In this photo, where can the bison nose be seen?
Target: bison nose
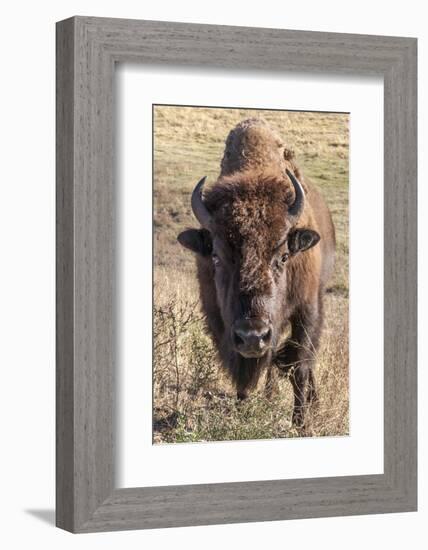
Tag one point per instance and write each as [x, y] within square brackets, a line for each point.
[252, 338]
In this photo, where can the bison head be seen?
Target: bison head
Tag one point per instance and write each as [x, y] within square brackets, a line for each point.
[249, 241]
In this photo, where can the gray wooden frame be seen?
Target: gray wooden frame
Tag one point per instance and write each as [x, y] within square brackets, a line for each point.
[87, 50]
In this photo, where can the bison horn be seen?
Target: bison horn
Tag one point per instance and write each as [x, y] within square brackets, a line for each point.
[295, 209]
[198, 206]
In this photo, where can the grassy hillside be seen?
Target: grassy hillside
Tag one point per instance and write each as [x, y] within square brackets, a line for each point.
[193, 400]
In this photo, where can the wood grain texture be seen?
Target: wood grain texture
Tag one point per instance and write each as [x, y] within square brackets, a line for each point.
[64, 278]
[87, 49]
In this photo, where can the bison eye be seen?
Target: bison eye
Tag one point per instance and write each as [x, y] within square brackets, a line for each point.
[216, 259]
[284, 257]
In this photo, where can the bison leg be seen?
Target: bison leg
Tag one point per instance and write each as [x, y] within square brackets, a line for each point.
[243, 383]
[271, 386]
[312, 387]
[298, 357]
[299, 381]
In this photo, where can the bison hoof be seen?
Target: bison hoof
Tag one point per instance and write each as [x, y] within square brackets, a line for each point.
[298, 419]
[241, 396]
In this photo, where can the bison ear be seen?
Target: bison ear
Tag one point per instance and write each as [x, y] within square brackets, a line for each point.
[302, 239]
[196, 240]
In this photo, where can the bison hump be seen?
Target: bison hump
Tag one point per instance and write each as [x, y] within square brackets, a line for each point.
[254, 145]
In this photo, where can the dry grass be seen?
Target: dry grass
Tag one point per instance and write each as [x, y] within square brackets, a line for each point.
[193, 399]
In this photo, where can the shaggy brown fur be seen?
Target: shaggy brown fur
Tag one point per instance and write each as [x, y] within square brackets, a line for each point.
[253, 145]
[257, 263]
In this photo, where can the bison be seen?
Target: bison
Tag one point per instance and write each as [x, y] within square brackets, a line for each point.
[265, 251]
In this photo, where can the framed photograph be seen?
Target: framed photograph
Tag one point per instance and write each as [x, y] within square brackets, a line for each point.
[236, 274]
[250, 274]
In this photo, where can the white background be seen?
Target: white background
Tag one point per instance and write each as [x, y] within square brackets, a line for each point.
[144, 464]
[27, 272]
